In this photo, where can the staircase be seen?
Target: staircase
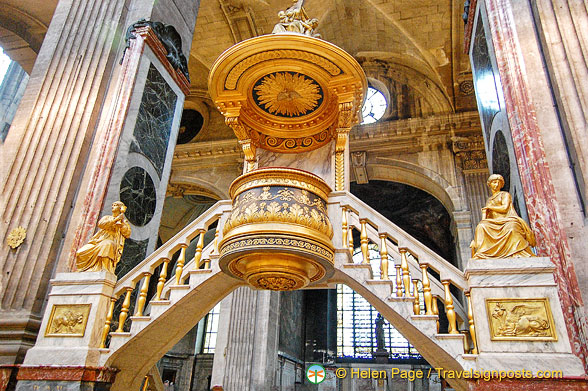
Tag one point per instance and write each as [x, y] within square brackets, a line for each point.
[407, 279]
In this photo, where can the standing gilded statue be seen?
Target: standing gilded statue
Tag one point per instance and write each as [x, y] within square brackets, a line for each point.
[105, 248]
[501, 233]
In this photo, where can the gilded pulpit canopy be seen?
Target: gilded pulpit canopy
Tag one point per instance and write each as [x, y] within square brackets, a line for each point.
[105, 248]
[501, 233]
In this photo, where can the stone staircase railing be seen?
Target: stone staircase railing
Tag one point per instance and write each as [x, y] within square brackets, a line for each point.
[167, 279]
[410, 259]
[404, 262]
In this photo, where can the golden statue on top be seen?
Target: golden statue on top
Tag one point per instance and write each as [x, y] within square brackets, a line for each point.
[105, 248]
[295, 20]
[501, 233]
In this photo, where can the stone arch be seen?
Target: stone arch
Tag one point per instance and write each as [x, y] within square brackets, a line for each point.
[24, 38]
[158, 337]
[420, 177]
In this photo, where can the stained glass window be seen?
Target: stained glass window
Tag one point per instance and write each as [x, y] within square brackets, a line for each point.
[356, 320]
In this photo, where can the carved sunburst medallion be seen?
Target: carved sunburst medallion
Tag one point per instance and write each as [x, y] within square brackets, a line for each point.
[287, 94]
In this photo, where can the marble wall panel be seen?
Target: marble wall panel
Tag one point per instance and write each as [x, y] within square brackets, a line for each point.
[317, 162]
[154, 120]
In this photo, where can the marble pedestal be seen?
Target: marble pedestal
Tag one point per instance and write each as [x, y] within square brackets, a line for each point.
[513, 332]
[66, 354]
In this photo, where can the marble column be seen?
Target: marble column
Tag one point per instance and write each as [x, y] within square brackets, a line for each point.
[531, 160]
[43, 154]
[59, 152]
[246, 352]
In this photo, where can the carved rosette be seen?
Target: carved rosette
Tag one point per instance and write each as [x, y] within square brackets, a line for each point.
[278, 235]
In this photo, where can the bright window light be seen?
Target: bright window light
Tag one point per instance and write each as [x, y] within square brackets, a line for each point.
[374, 107]
[4, 63]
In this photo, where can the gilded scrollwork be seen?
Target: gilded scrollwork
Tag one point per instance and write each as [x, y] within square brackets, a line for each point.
[280, 204]
[520, 319]
[279, 242]
[239, 69]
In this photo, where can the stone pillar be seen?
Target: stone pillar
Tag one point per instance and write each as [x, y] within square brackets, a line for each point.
[67, 350]
[507, 21]
[61, 148]
[246, 352]
[43, 154]
[518, 317]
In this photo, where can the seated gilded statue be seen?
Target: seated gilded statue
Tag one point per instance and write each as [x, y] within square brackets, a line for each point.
[105, 248]
[501, 233]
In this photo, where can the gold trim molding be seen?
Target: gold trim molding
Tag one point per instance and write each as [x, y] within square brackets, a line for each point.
[520, 319]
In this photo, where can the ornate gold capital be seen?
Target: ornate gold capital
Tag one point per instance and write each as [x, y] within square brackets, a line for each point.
[239, 129]
[16, 237]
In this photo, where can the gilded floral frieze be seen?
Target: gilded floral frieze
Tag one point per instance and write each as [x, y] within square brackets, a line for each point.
[280, 204]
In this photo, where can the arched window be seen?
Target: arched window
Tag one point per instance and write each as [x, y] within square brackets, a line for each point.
[374, 107]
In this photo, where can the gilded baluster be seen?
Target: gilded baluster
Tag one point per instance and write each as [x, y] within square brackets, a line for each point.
[427, 290]
[350, 237]
[344, 226]
[216, 236]
[162, 278]
[383, 258]
[416, 306]
[207, 263]
[405, 272]
[106, 328]
[471, 323]
[436, 311]
[199, 247]
[451, 317]
[124, 312]
[398, 281]
[364, 242]
[143, 294]
[180, 264]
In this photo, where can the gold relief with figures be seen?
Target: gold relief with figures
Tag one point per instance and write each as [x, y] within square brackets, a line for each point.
[278, 235]
[528, 319]
[286, 177]
[68, 320]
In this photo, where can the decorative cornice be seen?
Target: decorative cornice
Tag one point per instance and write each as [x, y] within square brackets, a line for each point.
[415, 134]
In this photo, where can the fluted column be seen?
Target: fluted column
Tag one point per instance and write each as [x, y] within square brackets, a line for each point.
[59, 153]
[44, 151]
[247, 341]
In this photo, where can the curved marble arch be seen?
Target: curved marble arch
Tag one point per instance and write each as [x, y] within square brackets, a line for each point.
[166, 330]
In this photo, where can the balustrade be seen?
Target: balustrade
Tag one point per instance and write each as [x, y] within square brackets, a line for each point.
[161, 259]
[410, 261]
